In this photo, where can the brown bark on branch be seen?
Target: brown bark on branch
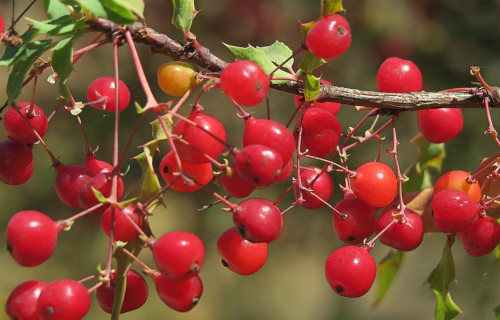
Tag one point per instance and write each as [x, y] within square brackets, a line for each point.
[194, 53]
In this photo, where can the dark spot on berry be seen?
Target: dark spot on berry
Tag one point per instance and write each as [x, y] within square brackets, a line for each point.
[351, 238]
[195, 301]
[224, 263]
[49, 310]
[339, 289]
[9, 248]
[195, 268]
[341, 31]
[258, 86]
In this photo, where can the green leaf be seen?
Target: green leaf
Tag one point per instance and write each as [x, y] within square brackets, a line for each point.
[99, 196]
[311, 89]
[386, 271]
[331, 7]
[150, 184]
[279, 52]
[23, 64]
[95, 7]
[55, 9]
[119, 13]
[58, 27]
[137, 6]
[262, 56]
[157, 128]
[183, 14]
[446, 309]
[62, 60]
[12, 53]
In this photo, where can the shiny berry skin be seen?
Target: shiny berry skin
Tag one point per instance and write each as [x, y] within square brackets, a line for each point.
[286, 170]
[258, 220]
[240, 255]
[453, 210]
[175, 78]
[178, 254]
[350, 271]
[259, 164]
[405, 234]
[399, 76]
[97, 166]
[63, 300]
[322, 187]
[320, 132]
[329, 37]
[235, 185]
[16, 162]
[440, 125]
[271, 134]
[2, 25]
[103, 183]
[15, 126]
[23, 300]
[69, 181]
[355, 222]
[481, 236]
[124, 230]
[103, 90]
[200, 138]
[181, 295]
[457, 180]
[202, 173]
[31, 237]
[332, 107]
[244, 82]
[136, 292]
[375, 184]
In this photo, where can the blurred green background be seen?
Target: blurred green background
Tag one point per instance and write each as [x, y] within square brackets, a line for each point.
[443, 37]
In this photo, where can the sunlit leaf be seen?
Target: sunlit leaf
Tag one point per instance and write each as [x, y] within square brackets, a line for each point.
[12, 53]
[311, 87]
[119, 13]
[137, 6]
[183, 14]
[58, 27]
[331, 7]
[150, 184]
[62, 60]
[279, 52]
[157, 128]
[386, 271]
[446, 309]
[55, 9]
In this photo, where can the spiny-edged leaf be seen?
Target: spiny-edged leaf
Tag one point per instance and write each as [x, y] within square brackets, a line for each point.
[444, 273]
[55, 9]
[118, 13]
[279, 52]
[58, 27]
[150, 185]
[95, 7]
[331, 7]
[259, 56]
[311, 87]
[12, 53]
[23, 64]
[157, 127]
[446, 309]
[386, 271]
[62, 60]
[310, 62]
[137, 6]
[183, 14]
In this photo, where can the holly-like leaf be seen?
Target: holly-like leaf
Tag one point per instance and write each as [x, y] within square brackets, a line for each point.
[62, 60]
[55, 9]
[386, 271]
[439, 280]
[58, 27]
[23, 64]
[279, 52]
[12, 53]
[183, 14]
[150, 185]
[331, 7]
[264, 57]
[157, 128]
[311, 88]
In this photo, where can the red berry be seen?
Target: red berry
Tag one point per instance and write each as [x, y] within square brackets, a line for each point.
[97, 166]
[244, 82]
[235, 185]
[258, 220]
[63, 300]
[240, 255]
[69, 181]
[23, 300]
[481, 236]
[453, 210]
[16, 162]
[136, 292]
[332, 107]
[31, 237]
[103, 183]
[320, 132]
[322, 187]
[355, 222]
[200, 139]
[405, 234]
[351, 271]
[440, 125]
[178, 254]
[259, 164]
[17, 129]
[329, 37]
[201, 173]
[399, 76]
[457, 180]
[286, 170]
[101, 94]
[375, 184]
[271, 134]
[124, 229]
[181, 295]
[2, 25]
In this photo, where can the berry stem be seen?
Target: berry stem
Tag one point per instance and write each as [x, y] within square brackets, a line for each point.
[400, 178]
[371, 243]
